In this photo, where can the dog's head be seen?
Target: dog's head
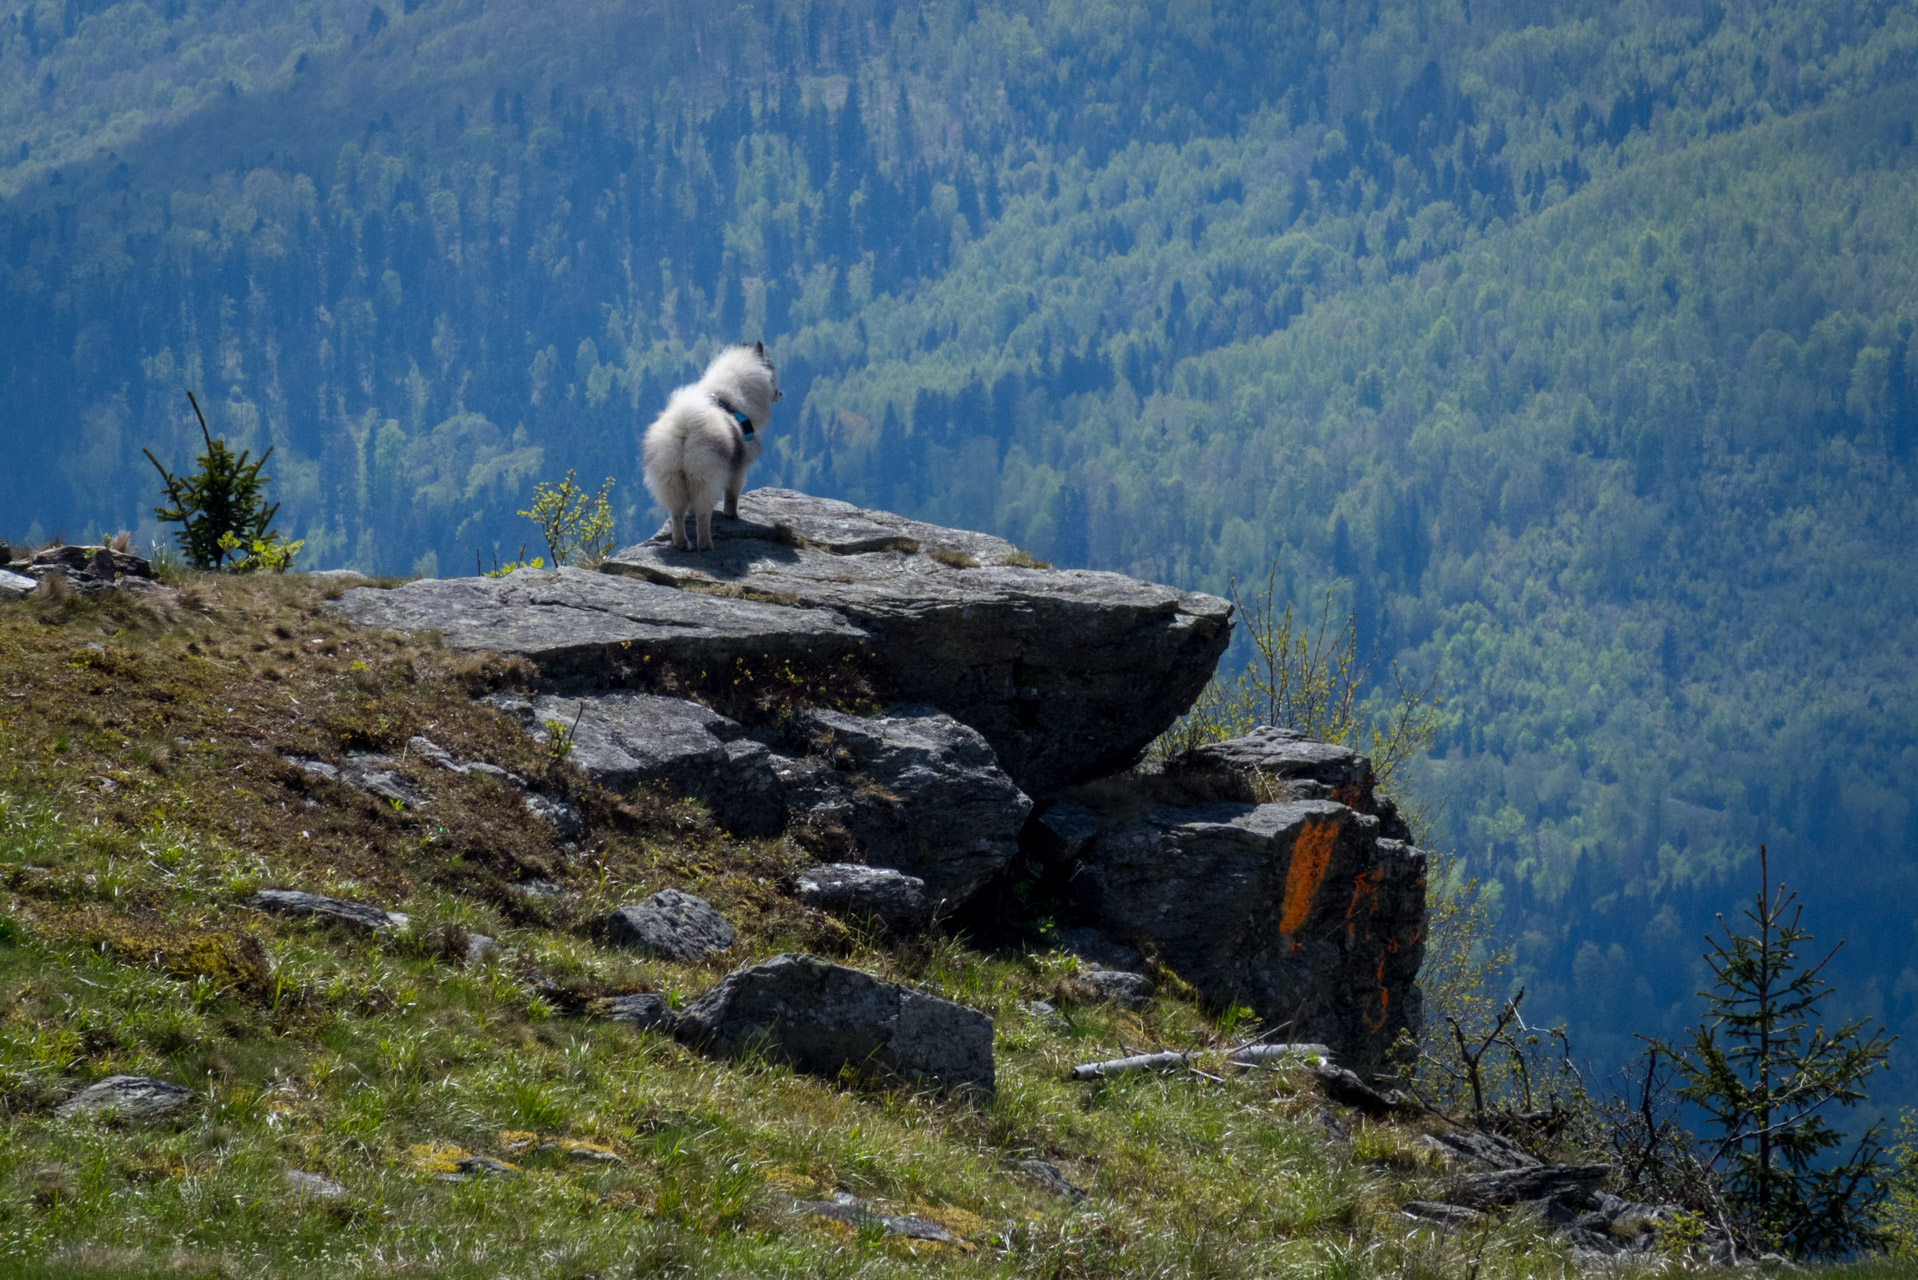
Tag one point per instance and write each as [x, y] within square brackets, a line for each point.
[745, 376]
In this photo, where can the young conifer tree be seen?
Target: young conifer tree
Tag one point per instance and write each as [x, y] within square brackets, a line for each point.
[1769, 1075]
[222, 505]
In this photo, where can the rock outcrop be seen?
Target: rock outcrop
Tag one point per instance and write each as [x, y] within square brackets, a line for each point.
[1067, 674]
[1300, 911]
[821, 1017]
[917, 791]
[1263, 871]
[913, 789]
[1301, 768]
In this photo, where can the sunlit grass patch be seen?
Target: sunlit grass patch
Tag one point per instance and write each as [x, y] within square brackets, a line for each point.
[477, 1120]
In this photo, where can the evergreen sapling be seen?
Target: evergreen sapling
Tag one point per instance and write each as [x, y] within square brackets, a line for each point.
[221, 508]
[1768, 1074]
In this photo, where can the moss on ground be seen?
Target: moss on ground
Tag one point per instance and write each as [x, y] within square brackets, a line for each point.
[145, 791]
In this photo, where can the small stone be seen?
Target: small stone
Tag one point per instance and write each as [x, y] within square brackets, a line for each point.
[15, 585]
[672, 924]
[535, 888]
[855, 1212]
[376, 775]
[294, 902]
[1114, 986]
[1053, 1020]
[1448, 1217]
[480, 1167]
[646, 1010]
[895, 899]
[1050, 1179]
[480, 947]
[313, 1186]
[133, 1097]
[563, 817]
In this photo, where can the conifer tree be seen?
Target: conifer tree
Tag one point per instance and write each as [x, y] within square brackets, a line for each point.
[221, 506]
[1769, 1075]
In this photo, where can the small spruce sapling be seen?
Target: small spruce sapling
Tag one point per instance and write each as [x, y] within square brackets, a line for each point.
[221, 507]
[1767, 1073]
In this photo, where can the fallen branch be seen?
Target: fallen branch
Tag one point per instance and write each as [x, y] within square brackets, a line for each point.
[1245, 1057]
[1272, 1055]
[1170, 1061]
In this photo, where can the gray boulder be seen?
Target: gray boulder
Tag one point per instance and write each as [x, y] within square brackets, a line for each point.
[621, 739]
[571, 622]
[1068, 674]
[672, 924]
[895, 899]
[1300, 911]
[15, 585]
[919, 792]
[295, 902]
[821, 1017]
[130, 1097]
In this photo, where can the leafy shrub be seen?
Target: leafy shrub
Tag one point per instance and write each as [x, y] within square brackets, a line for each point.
[271, 554]
[577, 529]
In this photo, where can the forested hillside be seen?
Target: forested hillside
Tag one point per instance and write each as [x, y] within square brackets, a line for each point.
[1577, 358]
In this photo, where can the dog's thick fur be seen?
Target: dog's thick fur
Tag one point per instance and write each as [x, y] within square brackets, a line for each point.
[697, 450]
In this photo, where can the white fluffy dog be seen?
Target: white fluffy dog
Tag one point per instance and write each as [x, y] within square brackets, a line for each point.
[699, 448]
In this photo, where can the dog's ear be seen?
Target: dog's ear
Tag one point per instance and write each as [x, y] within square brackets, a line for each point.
[759, 349]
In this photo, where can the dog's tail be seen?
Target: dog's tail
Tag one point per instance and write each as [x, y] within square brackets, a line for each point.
[686, 467]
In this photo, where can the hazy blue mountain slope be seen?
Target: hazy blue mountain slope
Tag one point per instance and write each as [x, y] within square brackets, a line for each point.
[1633, 476]
[1574, 354]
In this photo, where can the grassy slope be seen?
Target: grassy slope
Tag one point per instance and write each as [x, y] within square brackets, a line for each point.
[142, 796]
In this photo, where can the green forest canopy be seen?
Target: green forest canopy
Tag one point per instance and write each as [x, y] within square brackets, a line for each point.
[1576, 357]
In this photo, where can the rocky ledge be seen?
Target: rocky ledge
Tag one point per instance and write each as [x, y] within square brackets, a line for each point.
[998, 709]
[1068, 674]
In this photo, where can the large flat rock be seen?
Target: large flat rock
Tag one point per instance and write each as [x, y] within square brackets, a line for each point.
[571, 622]
[1067, 673]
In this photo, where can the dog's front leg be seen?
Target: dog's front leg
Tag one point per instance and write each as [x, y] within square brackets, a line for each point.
[679, 529]
[705, 531]
[732, 496]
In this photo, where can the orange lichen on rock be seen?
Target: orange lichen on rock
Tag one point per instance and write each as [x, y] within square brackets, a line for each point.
[1311, 854]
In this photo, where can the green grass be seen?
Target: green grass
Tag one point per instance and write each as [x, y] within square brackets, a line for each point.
[142, 796]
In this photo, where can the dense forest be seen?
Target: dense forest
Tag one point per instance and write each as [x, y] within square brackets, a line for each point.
[1577, 356]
